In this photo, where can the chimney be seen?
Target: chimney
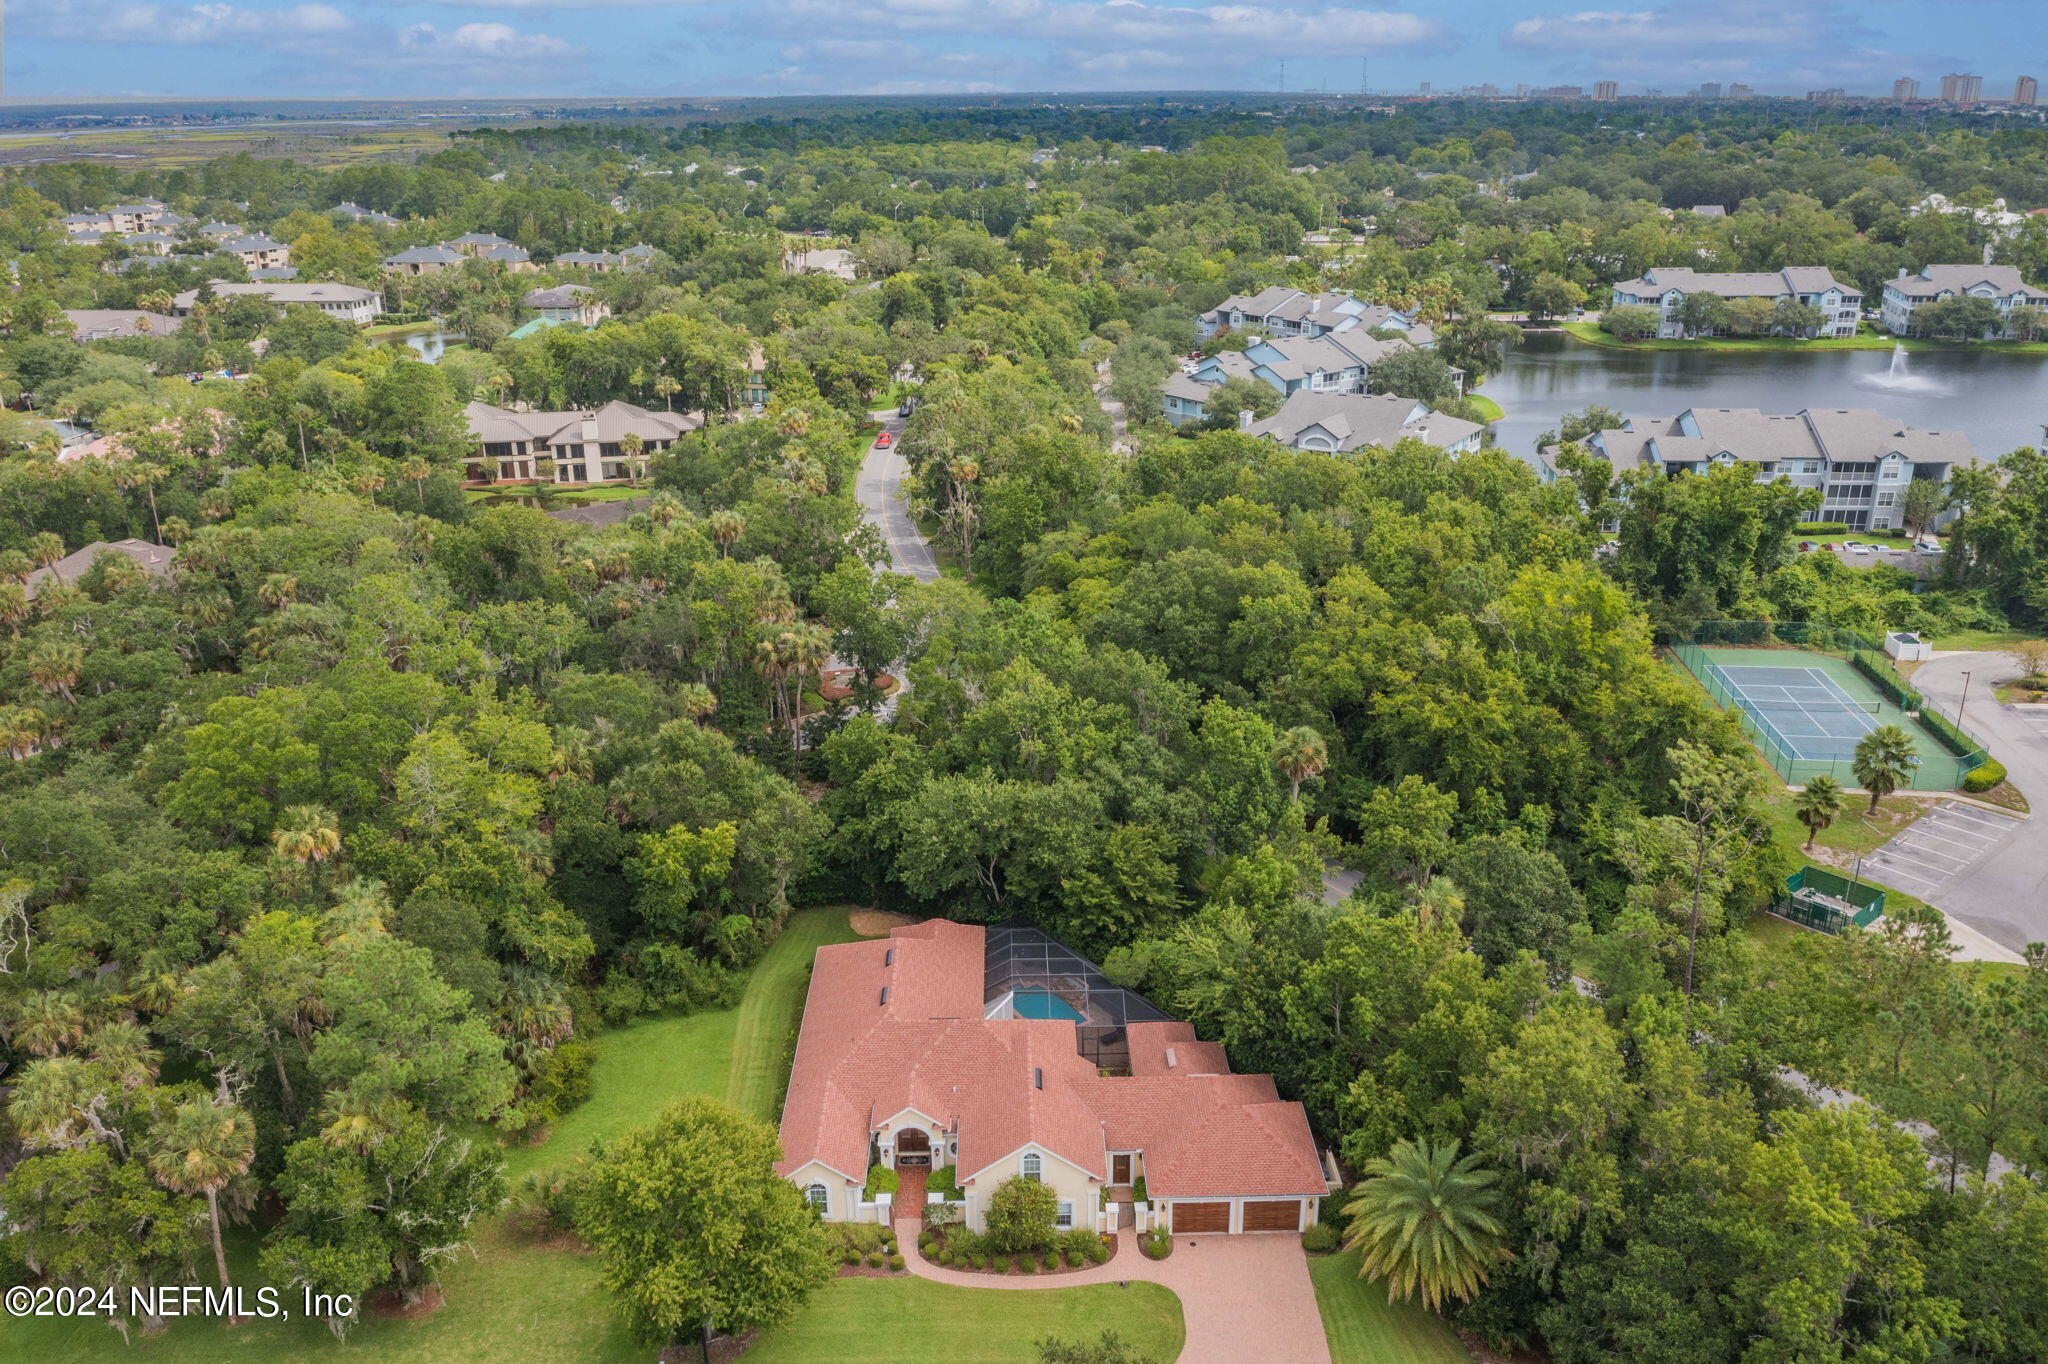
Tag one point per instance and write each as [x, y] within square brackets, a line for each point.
[1244, 419]
[1902, 272]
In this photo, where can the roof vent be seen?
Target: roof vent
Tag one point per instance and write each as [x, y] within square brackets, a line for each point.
[889, 957]
[885, 994]
[1170, 1062]
[1038, 1077]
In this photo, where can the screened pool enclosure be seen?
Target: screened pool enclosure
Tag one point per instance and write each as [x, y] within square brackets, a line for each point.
[1026, 974]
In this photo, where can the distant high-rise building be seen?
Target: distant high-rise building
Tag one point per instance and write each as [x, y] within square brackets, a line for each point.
[1606, 89]
[1521, 92]
[1740, 91]
[1425, 87]
[1709, 90]
[1834, 94]
[2025, 91]
[1961, 88]
[1905, 88]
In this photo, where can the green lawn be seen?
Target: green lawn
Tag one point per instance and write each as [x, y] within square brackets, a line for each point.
[1981, 639]
[1866, 339]
[857, 1320]
[1852, 832]
[1364, 1328]
[1488, 408]
[759, 1042]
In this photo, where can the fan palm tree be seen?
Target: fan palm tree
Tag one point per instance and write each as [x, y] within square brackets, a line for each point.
[1885, 760]
[123, 1049]
[417, 472]
[45, 548]
[307, 834]
[14, 605]
[55, 1105]
[16, 566]
[197, 1149]
[1818, 806]
[48, 1021]
[278, 589]
[1424, 1223]
[725, 527]
[54, 665]
[1301, 754]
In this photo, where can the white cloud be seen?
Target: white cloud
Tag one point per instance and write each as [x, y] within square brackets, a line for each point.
[491, 42]
[137, 21]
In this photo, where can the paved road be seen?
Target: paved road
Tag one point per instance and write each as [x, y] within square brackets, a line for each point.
[880, 490]
[1114, 410]
[1996, 884]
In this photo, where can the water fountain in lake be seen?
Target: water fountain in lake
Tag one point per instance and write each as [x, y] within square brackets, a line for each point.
[1896, 379]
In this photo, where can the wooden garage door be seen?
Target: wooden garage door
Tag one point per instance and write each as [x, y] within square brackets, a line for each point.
[1189, 1217]
[1281, 1216]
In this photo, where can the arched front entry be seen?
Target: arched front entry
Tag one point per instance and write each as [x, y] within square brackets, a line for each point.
[913, 1147]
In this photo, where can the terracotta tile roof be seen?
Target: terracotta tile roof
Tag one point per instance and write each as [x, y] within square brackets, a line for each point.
[1000, 1084]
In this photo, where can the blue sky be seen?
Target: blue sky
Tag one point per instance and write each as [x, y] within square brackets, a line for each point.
[451, 48]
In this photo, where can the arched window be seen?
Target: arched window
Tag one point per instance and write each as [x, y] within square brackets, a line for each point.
[1033, 1166]
[817, 1196]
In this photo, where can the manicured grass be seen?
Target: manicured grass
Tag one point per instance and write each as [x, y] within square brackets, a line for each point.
[1867, 339]
[1488, 408]
[519, 494]
[759, 1046]
[510, 1300]
[915, 1319]
[1852, 832]
[1364, 1328]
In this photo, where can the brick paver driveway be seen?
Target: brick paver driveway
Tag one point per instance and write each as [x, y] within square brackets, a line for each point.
[1244, 1298]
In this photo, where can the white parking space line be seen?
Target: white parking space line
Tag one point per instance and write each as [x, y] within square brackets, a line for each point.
[1997, 826]
[1941, 845]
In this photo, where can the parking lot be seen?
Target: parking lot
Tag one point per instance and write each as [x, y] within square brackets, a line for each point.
[1941, 844]
[2036, 718]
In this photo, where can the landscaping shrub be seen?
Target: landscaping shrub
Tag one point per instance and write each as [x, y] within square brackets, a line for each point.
[1943, 729]
[980, 1260]
[896, 1263]
[1097, 1252]
[1138, 1194]
[850, 1257]
[1048, 1262]
[944, 1180]
[1074, 1258]
[881, 1179]
[1320, 1239]
[926, 1242]
[1821, 528]
[1020, 1216]
[1985, 777]
[1156, 1243]
[876, 1260]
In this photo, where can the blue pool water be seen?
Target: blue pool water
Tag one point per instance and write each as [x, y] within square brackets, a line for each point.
[1039, 1004]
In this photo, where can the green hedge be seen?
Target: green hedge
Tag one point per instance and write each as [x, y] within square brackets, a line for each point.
[881, 1179]
[1985, 777]
[1821, 528]
[1953, 739]
[1885, 679]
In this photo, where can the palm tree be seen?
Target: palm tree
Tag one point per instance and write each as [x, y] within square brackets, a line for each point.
[123, 1048]
[54, 665]
[199, 1147]
[306, 834]
[278, 590]
[1424, 1223]
[417, 472]
[1885, 761]
[725, 527]
[667, 388]
[16, 566]
[1818, 806]
[1301, 754]
[45, 548]
[48, 1021]
[809, 655]
[14, 605]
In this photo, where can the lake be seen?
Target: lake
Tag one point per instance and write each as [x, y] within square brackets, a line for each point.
[1998, 401]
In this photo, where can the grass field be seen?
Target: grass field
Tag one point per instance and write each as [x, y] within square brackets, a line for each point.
[1488, 408]
[1994, 640]
[1364, 1328]
[1867, 339]
[853, 1321]
[309, 142]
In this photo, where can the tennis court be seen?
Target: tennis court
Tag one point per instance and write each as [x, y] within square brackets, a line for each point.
[1809, 714]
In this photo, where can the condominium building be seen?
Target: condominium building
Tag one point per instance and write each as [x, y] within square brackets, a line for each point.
[1861, 461]
[1961, 88]
[587, 447]
[1665, 289]
[1606, 90]
[2025, 92]
[344, 301]
[2001, 284]
[1905, 88]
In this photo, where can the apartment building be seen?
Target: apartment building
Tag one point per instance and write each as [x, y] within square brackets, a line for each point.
[2001, 284]
[258, 252]
[1665, 289]
[1861, 461]
[1961, 88]
[586, 447]
[1279, 311]
[344, 301]
[567, 303]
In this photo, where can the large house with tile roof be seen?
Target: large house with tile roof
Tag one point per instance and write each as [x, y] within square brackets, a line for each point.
[1861, 461]
[1001, 1054]
[586, 447]
[1665, 288]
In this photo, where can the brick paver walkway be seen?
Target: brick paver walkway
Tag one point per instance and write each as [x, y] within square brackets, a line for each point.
[1243, 1297]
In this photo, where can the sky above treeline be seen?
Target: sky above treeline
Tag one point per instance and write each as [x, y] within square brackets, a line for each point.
[453, 48]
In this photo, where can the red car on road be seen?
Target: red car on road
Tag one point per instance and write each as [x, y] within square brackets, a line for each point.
[883, 441]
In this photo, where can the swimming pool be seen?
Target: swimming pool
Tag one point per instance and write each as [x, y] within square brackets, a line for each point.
[1040, 1004]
